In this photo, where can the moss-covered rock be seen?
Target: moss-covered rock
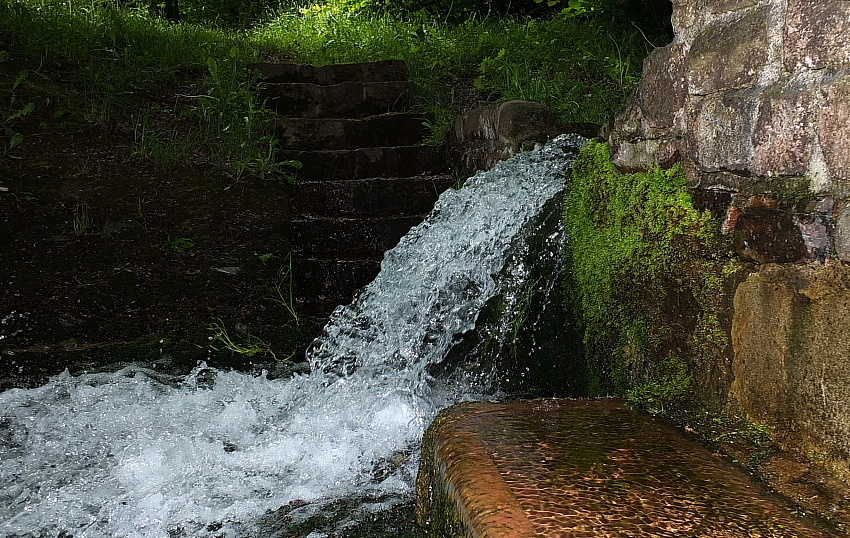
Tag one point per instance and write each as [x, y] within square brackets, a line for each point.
[647, 282]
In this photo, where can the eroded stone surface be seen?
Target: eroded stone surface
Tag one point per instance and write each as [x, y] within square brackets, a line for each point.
[833, 133]
[784, 128]
[723, 6]
[721, 130]
[585, 468]
[769, 236]
[663, 93]
[728, 56]
[842, 232]
[817, 33]
[790, 364]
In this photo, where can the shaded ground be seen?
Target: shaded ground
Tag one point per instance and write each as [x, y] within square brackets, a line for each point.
[108, 257]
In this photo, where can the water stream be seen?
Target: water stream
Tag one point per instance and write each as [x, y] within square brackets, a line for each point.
[139, 453]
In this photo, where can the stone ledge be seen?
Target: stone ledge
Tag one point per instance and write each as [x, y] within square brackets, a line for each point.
[582, 468]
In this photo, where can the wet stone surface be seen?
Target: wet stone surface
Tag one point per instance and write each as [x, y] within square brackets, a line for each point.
[594, 468]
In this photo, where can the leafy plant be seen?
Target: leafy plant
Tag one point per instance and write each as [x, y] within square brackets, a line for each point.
[177, 244]
[15, 137]
[670, 381]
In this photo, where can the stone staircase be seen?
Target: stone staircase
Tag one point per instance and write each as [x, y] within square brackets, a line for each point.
[366, 179]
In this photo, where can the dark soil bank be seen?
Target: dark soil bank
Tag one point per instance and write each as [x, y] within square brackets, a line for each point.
[107, 257]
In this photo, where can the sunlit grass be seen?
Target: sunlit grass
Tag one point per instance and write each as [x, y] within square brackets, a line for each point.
[581, 69]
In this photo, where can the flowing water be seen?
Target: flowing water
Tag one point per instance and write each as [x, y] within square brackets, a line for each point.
[139, 453]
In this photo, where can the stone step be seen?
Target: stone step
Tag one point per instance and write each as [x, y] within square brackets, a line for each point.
[583, 468]
[383, 71]
[331, 282]
[323, 237]
[341, 164]
[344, 100]
[373, 197]
[391, 129]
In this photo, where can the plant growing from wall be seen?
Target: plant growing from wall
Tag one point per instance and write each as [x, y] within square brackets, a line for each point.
[645, 281]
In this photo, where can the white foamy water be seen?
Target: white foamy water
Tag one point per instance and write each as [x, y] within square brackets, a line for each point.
[131, 454]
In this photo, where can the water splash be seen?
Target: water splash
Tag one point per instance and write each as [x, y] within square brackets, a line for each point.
[137, 453]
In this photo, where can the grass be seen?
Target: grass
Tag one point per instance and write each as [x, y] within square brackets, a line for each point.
[581, 68]
[249, 346]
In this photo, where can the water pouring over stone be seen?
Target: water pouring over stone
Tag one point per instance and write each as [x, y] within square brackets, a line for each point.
[132, 453]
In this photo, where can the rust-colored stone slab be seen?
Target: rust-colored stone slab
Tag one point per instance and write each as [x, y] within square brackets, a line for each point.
[577, 468]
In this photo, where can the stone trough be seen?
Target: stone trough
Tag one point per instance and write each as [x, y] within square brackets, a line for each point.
[583, 468]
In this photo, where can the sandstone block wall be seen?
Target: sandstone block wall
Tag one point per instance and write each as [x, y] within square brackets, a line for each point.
[752, 100]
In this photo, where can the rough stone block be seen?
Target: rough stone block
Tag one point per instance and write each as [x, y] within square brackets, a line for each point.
[638, 156]
[720, 131]
[782, 139]
[842, 232]
[397, 128]
[381, 71]
[372, 197]
[816, 33]
[791, 347]
[725, 6]
[728, 56]
[663, 87]
[490, 134]
[833, 132]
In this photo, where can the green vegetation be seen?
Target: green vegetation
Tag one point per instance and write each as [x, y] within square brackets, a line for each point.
[135, 92]
[249, 346]
[580, 62]
[645, 280]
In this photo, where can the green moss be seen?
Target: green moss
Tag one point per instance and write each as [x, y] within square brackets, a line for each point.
[647, 281]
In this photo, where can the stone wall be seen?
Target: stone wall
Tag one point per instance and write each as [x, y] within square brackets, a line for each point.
[752, 100]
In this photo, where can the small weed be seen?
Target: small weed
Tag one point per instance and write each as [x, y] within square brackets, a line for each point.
[670, 383]
[521, 312]
[283, 289]
[249, 347]
[82, 220]
[162, 146]
[177, 244]
[265, 165]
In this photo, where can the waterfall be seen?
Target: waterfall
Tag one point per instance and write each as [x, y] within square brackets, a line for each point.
[134, 453]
